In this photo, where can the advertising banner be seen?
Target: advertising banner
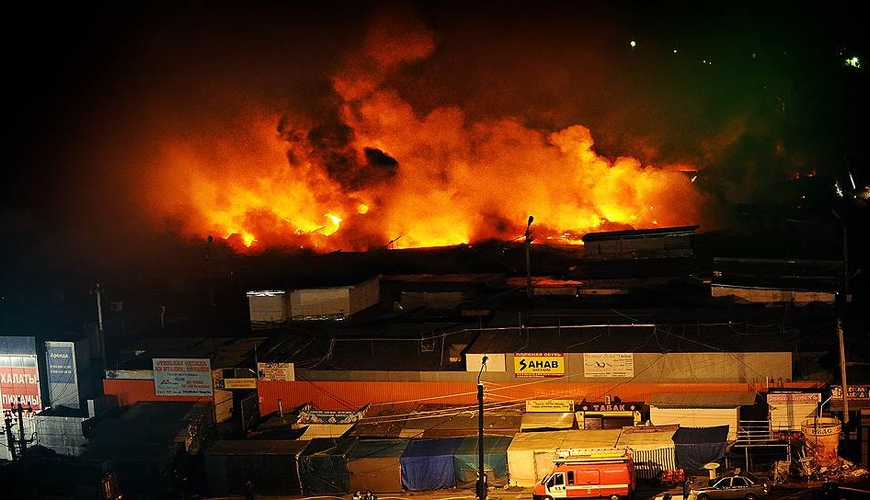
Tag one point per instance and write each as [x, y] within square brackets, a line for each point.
[550, 405]
[235, 383]
[539, 364]
[60, 361]
[608, 364]
[276, 371]
[19, 373]
[182, 377]
[329, 417]
[855, 392]
[794, 398]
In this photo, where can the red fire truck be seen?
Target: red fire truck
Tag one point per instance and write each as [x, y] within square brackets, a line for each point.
[589, 476]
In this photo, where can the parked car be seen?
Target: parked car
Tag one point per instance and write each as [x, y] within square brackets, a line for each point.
[743, 485]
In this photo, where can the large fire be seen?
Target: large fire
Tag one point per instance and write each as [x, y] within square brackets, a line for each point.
[372, 172]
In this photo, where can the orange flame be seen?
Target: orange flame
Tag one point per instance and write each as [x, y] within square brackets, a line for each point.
[381, 172]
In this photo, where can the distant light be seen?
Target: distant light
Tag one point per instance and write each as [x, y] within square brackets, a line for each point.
[675, 51]
[854, 62]
[265, 293]
[633, 44]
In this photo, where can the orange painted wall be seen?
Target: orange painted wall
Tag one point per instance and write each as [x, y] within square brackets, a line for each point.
[129, 392]
[346, 395]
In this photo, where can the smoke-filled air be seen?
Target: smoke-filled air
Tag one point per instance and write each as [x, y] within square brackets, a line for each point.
[355, 126]
[369, 169]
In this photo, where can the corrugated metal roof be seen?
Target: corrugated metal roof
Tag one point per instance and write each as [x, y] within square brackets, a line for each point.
[378, 448]
[640, 233]
[552, 421]
[314, 431]
[647, 436]
[460, 421]
[589, 438]
[259, 447]
[702, 399]
[383, 421]
[223, 352]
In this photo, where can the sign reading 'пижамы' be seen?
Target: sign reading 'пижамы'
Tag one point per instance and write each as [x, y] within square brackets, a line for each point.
[539, 364]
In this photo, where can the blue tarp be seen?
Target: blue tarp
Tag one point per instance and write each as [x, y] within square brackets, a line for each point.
[467, 457]
[696, 446]
[427, 464]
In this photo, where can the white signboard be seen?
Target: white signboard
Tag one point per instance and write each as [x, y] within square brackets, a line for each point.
[276, 371]
[608, 364]
[182, 377]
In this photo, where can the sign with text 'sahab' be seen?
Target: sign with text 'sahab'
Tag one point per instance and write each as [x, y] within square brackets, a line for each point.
[182, 377]
[539, 364]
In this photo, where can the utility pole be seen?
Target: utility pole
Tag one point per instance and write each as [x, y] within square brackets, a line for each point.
[844, 300]
[529, 289]
[101, 334]
[481, 473]
[10, 437]
[21, 442]
[843, 371]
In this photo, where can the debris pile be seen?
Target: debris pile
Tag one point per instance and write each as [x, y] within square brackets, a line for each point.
[843, 471]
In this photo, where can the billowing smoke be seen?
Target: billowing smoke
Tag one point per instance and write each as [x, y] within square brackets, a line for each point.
[289, 126]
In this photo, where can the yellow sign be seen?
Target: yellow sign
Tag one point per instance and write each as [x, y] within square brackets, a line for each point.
[539, 364]
[236, 383]
[550, 405]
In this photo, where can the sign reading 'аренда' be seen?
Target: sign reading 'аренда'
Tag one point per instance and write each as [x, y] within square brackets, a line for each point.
[182, 377]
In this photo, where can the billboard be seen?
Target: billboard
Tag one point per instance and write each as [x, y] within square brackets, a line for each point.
[539, 364]
[608, 364]
[63, 384]
[182, 377]
[19, 373]
[276, 371]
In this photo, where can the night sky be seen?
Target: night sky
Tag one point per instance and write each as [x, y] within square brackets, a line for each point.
[749, 94]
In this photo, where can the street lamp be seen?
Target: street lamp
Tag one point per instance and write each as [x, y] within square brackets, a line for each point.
[481, 481]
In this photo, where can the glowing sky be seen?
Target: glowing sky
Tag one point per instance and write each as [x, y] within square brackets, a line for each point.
[349, 125]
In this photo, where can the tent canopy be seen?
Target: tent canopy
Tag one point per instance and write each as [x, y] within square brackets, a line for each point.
[696, 446]
[375, 465]
[427, 464]
[323, 466]
[467, 457]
